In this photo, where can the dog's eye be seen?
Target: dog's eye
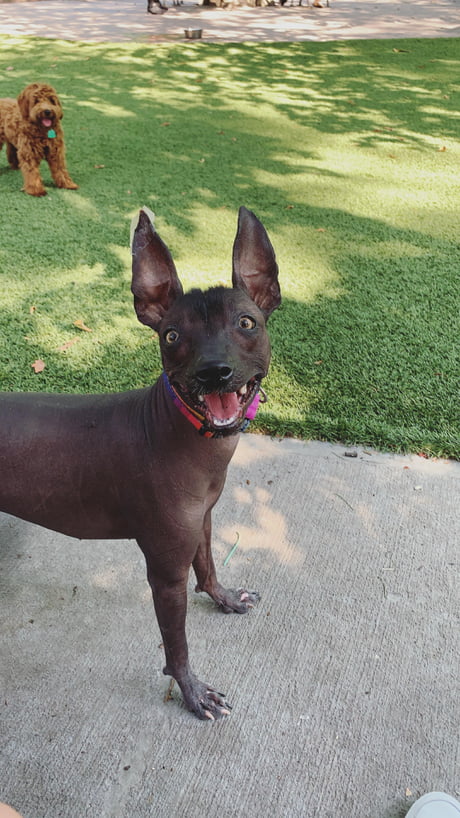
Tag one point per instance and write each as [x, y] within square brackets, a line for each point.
[171, 336]
[246, 322]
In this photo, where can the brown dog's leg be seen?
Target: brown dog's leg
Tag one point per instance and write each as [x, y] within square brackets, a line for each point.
[231, 600]
[32, 180]
[58, 168]
[12, 156]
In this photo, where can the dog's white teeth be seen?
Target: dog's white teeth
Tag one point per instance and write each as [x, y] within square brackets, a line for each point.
[224, 421]
[243, 390]
[201, 398]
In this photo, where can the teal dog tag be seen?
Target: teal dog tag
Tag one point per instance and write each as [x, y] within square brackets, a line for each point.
[51, 133]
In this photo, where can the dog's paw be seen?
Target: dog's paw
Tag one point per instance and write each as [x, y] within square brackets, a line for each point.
[212, 705]
[35, 191]
[238, 600]
[232, 600]
[205, 702]
[200, 698]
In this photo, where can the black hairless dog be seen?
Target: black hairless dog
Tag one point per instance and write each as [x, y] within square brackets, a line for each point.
[150, 464]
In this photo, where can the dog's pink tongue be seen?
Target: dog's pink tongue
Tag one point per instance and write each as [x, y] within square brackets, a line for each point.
[222, 406]
[47, 123]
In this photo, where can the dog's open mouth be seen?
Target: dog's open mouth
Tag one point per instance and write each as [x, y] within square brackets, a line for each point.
[45, 118]
[222, 411]
[225, 409]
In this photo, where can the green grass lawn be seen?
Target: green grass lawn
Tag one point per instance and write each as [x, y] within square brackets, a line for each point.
[349, 154]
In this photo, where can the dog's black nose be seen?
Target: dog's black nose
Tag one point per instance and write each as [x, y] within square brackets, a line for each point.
[47, 113]
[214, 374]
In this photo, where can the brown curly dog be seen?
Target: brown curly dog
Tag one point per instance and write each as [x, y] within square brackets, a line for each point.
[31, 128]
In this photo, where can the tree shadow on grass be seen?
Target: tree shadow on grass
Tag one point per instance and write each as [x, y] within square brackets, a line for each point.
[194, 133]
[374, 364]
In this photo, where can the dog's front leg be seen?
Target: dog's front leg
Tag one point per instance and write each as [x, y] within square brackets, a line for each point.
[30, 172]
[58, 168]
[170, 600]
[231, 600]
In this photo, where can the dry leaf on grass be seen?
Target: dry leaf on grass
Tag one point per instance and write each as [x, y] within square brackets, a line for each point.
[38, 365]
[79, 323]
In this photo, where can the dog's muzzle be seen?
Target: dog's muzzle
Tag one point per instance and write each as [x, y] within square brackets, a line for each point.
[219, 413]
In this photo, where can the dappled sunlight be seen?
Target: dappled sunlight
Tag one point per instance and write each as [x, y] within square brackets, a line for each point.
[252, 449]
[243, 496]
[347, 153]
[342, 20]
[205, 258]
[267, 532]
[123, 253]
[322, 277]
[51, 336]
[105, 108]
[208, 256]
[392, 249]
[85, 206]
[287, 501]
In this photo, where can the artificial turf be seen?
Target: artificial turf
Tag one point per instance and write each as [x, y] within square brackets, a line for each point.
[349, 154]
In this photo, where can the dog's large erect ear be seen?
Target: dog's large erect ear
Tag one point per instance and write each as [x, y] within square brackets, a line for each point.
[155, 283]
[254, 264]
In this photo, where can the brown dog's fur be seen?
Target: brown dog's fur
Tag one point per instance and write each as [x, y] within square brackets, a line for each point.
[27, 142]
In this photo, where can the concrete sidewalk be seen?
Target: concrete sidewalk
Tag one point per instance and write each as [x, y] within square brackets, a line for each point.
[124, 20]
[344, 679]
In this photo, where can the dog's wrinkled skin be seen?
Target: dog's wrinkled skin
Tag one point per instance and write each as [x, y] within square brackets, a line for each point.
[132, 465]
[25, 127]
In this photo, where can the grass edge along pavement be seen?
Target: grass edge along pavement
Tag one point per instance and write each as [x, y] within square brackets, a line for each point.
[347, 151]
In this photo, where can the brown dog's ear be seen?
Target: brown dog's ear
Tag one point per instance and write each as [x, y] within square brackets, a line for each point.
[155, 283]
[23, 102]
[254, 264]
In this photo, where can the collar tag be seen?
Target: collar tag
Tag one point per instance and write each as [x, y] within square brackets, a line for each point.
[252, 408]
